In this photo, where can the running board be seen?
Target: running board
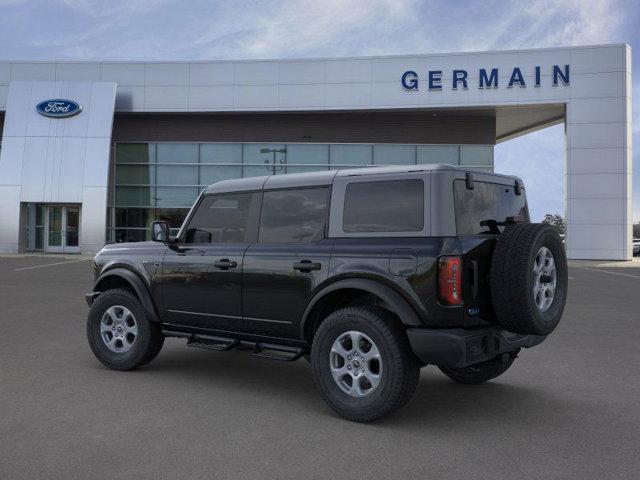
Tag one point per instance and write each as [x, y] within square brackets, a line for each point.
[277, 352]
[212, 343]
[273, 351]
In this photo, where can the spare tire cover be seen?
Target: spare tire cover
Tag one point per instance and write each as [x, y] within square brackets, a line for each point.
[528, 278]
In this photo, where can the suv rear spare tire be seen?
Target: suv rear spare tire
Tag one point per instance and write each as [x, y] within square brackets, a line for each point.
[529, 279]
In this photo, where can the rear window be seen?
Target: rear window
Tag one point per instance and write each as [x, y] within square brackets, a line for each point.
[487, 201]
[385, 206]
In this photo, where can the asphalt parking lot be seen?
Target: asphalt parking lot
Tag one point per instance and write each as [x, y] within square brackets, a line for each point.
[567, 409]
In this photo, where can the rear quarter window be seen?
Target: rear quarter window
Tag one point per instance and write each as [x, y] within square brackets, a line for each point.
[384, 206]
[486, 201]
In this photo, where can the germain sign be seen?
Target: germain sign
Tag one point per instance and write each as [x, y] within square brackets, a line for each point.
[487, 78]
[58, 108]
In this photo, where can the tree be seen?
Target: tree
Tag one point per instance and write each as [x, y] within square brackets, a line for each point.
[556, 221]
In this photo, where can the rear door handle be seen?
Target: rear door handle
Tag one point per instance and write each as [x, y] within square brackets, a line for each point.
[306, 266]
[225, 264]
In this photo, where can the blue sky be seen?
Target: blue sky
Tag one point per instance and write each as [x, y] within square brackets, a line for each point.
[209, 30]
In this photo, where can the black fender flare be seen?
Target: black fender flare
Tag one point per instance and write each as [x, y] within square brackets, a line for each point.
[137, 284]
[396, 302]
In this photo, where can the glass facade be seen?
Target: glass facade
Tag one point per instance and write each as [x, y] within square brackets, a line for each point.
[160, 181]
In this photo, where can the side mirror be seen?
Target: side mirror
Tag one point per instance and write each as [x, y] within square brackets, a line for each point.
[160, 232]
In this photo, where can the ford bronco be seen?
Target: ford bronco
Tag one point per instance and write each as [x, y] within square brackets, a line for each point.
[369, 274]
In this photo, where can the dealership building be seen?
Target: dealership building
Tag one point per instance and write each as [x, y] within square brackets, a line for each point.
[93, 152]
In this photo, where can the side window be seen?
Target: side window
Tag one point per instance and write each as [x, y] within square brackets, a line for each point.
[384, 206]
[223, 218]
[293, 215]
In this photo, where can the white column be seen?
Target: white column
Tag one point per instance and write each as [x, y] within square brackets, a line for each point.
[598, 172]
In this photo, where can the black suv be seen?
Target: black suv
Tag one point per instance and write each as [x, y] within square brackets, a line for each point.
[370, 274]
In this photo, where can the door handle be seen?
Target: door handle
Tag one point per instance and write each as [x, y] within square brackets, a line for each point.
[225, 264]
[306, 266]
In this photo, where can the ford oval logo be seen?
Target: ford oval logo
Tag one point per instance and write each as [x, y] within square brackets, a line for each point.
[58, 108]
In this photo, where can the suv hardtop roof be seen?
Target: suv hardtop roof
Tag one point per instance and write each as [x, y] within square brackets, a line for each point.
[326, 177]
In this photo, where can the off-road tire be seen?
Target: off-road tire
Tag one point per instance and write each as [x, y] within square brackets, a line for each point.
[512, 277]
[149, 340]
[400, 370]
[480, 372]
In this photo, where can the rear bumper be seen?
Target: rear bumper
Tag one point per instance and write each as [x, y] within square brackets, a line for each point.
[457, 347]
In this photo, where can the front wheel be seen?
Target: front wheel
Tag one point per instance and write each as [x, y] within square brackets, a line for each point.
[363, 364]
[119, 333]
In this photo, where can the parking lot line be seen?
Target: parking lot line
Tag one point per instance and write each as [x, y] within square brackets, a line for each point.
[51, 264]
[610, 273]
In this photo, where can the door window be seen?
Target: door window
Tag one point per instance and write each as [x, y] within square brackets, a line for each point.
[228, 218]
[294, 215]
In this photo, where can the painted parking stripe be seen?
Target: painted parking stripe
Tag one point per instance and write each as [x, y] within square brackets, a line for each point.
[52, 264]
[610, 273]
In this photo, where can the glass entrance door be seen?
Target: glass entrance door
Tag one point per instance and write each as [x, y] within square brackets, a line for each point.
[62, 229]
[72, 229]
[54, 230]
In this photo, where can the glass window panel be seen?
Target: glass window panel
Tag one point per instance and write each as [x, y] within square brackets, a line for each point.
[394, 154]
[293, 215]
[39, 238]
[263, 162]
[134, 196]
[174, 216]
[55, 227]
[487, 201]
[221, 153]
[449, 154]
[176, 196]
[476, 155]
[177, 175]
[178, 153]
[223, 219]
[256, 171]
[135, 153]
[353, 155]
[129, 235]
[133, 217]
[214, 173]
[40, 219]
[386, 206]
[307, 154]
[135, 175]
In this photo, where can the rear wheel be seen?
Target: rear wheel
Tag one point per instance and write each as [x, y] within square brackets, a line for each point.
[119, 333]
[363, 364]
[480, 372]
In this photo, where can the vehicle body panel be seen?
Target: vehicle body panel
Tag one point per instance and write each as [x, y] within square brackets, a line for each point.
[264, 297]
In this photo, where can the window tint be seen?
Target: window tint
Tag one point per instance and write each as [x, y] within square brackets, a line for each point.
[294, 215]
[388, 206]
[487, 201]
[223, 219]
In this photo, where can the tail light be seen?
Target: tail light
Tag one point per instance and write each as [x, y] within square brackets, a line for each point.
[449, 281]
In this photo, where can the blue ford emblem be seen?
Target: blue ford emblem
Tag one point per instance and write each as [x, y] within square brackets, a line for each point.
[58, 108]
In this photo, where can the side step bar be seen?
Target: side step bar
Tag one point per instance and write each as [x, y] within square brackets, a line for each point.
[212, 343]
[277, 352]
[273, 351]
